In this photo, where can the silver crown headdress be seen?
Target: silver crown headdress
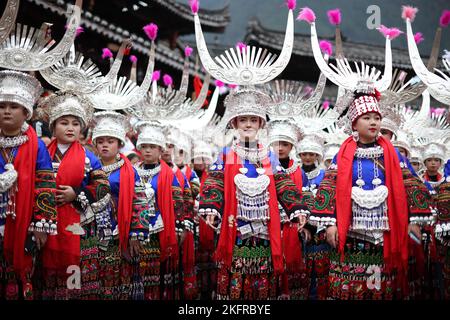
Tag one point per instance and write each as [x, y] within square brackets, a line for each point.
[20, 88]
[284, 130]
[204, 150]
[150, 132]
[439, 86]
[312, 142]
[75, 73]
[435, 150]
[8, 18]
[110, 124]
[28, 49]
[66, 103]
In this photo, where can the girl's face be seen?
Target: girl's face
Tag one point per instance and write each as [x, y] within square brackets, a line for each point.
[433, 164]
[67, 129]
[12, 116]
[368, 127]
[247, 127]
[107, 147]
[282, 149]
[167, 154]
[309, 158]
[151, 153]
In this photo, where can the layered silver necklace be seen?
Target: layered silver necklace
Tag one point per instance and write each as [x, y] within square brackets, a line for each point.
[253, 155]
[17, 141]
[113, 167]
[313, 174]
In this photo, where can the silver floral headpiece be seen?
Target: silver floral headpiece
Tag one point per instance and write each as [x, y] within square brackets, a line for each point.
[66, 103]
[284, 130]
[150, 132]
[110, 124]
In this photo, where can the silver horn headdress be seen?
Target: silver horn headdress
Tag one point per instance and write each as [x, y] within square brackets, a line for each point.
[122, 93]
[76, 73]
[438, 86]
[28, 49]
[8, 18]
[246, 65]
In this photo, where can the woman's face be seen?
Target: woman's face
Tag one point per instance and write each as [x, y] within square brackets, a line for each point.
[368, 127]
[403, 152]
[12, 116]
[416, 166]
[282, 149]
[67, 129]
[309, 158]
[247, 127]
[151, 153]
[387, 134]
[433, 164]
[107, 147]
[167, 154]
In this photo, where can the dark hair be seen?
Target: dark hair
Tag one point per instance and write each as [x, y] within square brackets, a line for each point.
[131, 156]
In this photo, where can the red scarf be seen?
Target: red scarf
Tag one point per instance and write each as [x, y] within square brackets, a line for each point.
[395, 244]
[167, 237]
[227, 239]
[66, 244]
[206, 242]
[125, 205]
[188, 244]
[292, 248]
[16, 229]
[180, 178]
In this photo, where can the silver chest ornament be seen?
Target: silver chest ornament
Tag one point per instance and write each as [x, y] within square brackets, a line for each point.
[252, 195]
[369, 207]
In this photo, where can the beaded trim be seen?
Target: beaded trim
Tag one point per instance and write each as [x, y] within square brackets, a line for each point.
[12, 142]
[292, 168]
[113, 167]
[369, 153]
[442, 230]
[148, 173]
[322, 221]
[422, 220]
[49, 227]
[251, 154]
[209, 212]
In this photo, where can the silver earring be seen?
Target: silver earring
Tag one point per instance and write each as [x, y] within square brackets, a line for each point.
[355, 135]
[379, 135]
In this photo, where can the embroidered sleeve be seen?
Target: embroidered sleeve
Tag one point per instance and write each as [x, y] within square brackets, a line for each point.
[44, 208]
[323, 211]
[419, 199]
[289, 196]
[443, 211]
[212, 191]
[187, 219]
[140, 218]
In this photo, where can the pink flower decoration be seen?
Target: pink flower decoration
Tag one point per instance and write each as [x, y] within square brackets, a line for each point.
[409, 12]
[326, 47]
[291, 4]
[195, 5]
[156, 75]
[418, 38]
[334, 16]
[445, 18]
[133, 58]
[106, 53]
[188, 51]
[167, 80]
[392, 33]
[151, 30]
[242, 46]
[306, 14]
[219, 83]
